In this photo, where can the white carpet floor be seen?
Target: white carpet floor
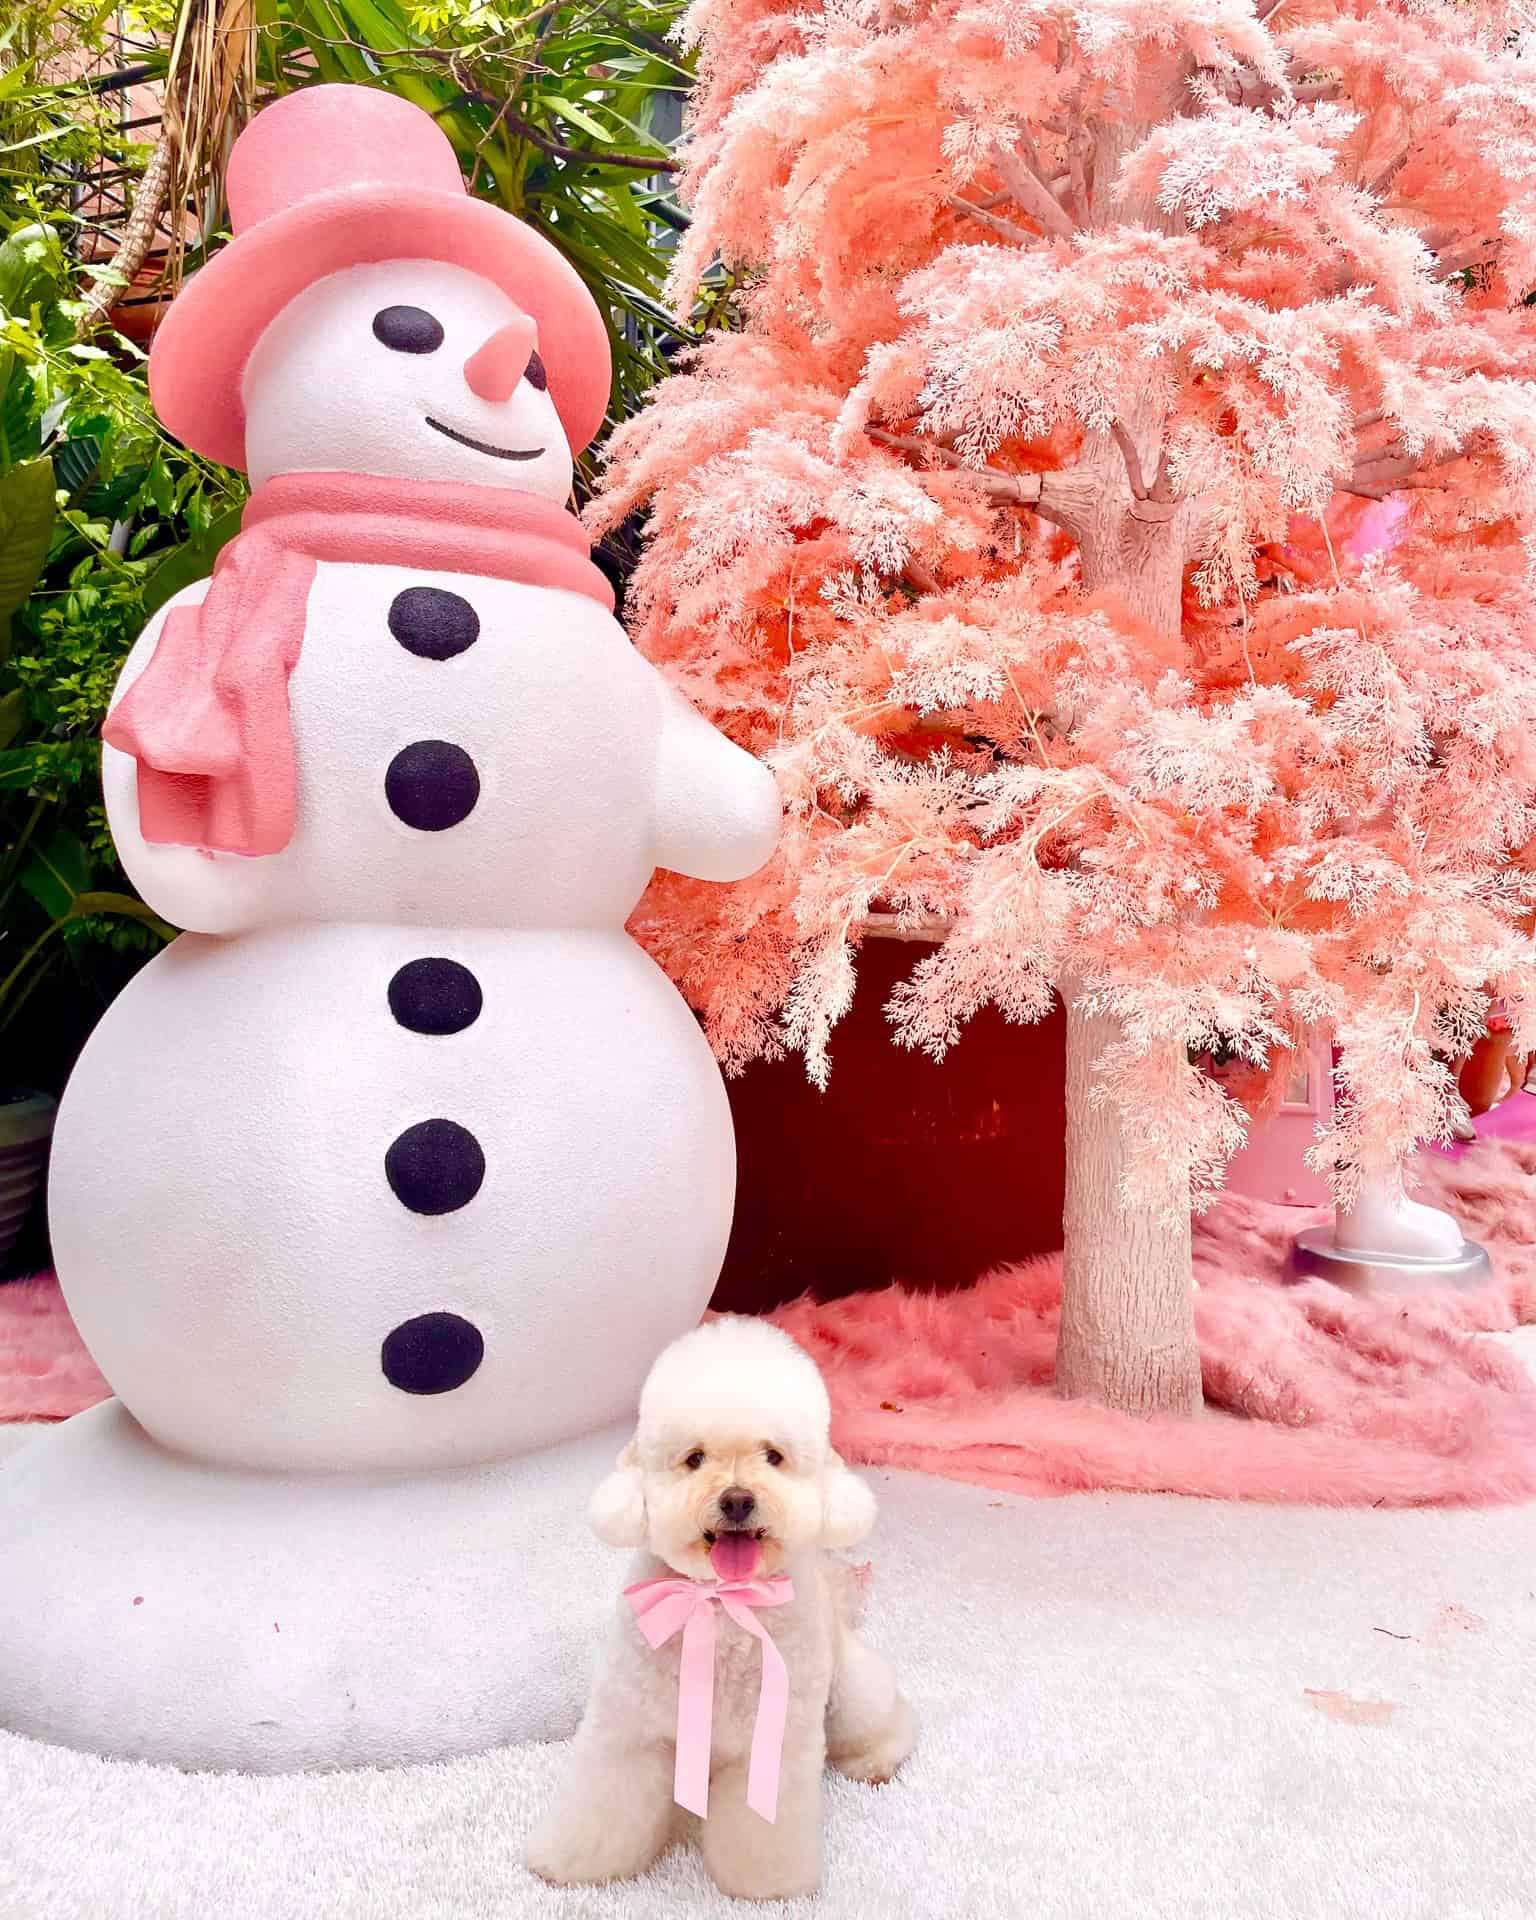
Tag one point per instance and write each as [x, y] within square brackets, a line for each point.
[1132, 1709]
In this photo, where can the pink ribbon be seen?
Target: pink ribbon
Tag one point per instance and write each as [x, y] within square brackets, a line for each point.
[662, 1607]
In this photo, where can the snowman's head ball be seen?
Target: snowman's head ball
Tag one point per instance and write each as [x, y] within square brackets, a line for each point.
[410, 369]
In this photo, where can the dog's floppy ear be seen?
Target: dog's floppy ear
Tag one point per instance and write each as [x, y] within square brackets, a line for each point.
[617, 1508]
[847, 1505]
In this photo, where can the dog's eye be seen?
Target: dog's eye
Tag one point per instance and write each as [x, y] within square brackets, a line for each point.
[774, 1457]
[695, 1460]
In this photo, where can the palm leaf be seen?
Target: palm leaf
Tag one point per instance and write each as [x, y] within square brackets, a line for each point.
[26, 527]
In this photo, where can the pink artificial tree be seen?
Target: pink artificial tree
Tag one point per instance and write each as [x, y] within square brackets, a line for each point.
[1014, 524]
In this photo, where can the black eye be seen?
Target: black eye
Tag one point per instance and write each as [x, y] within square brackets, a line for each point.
[695, 1460]
[773, 1457]
[535, 374]
[408, 329]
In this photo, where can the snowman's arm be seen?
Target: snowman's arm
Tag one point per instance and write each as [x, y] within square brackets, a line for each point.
[717, 809]
[198, 891]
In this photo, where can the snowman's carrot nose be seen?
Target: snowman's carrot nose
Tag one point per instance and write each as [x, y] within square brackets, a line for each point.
[494, 369]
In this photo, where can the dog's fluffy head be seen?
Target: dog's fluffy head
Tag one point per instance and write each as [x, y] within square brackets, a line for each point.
[732, 1445]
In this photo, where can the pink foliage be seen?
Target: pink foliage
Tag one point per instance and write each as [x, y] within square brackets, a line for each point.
[1021, 526]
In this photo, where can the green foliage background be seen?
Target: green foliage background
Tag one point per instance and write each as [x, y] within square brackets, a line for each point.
[94, 501]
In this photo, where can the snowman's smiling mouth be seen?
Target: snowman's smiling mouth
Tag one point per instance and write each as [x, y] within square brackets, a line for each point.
[484, 446]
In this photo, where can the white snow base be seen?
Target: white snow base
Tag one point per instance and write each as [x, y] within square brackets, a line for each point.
[154, 1607]
[1131, 1710]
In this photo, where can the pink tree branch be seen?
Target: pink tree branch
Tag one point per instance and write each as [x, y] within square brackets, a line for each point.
[1030, 192]
[1391, 454]
[1246, 88]
[1008, 489]
[1377, 476]
[889, 926]
[1451, 261]
[1132, 459]
[995, 221]
[1363, 491]
[1060, 498]
[1026, 145]
[1387, 175]
[1078, 148]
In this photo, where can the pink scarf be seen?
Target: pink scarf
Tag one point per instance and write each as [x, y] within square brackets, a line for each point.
[207, 720]
[666, 1606]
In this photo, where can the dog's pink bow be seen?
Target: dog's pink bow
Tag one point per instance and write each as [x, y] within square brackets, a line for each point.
[661, 1608]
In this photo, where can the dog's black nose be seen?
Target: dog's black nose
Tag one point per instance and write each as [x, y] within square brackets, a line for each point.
[737, 1506]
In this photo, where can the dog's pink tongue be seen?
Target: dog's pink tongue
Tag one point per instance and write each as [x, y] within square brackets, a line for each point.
[734, 1556]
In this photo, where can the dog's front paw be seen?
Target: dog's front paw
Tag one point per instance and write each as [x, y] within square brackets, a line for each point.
[573, 1853]
[582, 1846]
[876, 1760]
[555, 1852]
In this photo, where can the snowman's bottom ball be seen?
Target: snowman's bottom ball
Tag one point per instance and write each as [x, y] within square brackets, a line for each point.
[166, 1609]
[378, 1196]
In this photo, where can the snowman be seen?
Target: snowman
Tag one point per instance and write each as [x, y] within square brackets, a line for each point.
[400, 1166]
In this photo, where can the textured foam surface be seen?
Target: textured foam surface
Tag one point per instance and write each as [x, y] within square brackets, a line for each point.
[163, 1608]
[236, 1290]
[1133, 1708]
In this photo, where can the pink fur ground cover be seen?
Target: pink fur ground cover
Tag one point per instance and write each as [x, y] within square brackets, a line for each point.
[45, 1372]
[1313, 1395]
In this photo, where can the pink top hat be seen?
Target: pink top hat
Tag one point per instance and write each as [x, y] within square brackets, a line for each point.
[333, 177]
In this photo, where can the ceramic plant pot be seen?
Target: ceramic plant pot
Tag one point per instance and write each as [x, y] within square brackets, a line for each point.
[26, 1124]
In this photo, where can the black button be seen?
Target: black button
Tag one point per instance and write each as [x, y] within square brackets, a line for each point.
[435, 1167]
[432, 623]
[431, 785]
[435, 996]
[434, 1353]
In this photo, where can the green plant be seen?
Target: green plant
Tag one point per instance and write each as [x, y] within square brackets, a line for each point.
[100, 518]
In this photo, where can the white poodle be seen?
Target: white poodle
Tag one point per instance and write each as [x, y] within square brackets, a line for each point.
[730, 1482]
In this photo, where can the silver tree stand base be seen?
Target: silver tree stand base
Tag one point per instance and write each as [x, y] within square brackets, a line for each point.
[1314, 1256]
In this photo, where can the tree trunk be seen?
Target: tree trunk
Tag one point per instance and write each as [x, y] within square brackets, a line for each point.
[1127, 1303]
[116, 282]
[1127, 1297]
